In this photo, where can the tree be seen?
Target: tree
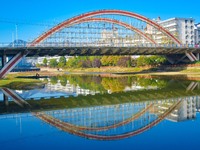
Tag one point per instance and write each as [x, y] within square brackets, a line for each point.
[45, 62]
[157, 60]
[53, 63]
[96, 63]
[151, 60]
[62, 62]
[71, 62]
[86, 64]
[110, 60]
[124, 62]
[63, 80]
[104, 61]
[53, 80]
[141, 61]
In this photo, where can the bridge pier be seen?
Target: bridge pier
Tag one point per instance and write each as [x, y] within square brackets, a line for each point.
[187, 57]
[197, 56]
[5, 99]
[3, 60]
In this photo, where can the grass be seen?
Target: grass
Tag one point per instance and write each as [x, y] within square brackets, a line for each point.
[18, 83]
[192, 70]
[105, 69]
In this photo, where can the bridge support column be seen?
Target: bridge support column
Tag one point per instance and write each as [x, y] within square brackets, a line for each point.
[197, 56]
[3, 60]
[5, 99]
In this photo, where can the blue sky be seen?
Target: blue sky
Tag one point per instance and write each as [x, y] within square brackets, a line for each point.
[47, 11]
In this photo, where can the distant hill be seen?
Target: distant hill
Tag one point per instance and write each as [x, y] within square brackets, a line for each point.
[17, 43]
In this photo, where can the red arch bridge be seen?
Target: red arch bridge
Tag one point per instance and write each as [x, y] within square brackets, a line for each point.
[103, 32]
[107, 122]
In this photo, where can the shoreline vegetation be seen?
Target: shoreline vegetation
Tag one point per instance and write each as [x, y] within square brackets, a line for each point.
[190, 70]
[13, 81]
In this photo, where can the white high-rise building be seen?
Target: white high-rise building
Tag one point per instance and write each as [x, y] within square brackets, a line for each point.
[186, 110]
[197, 33]
[182, 28]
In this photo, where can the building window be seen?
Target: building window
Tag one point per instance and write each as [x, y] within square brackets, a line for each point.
[186, 26]
[191, 32]
[191, 37]
[191, 27]
[185, 21]
[186, 32]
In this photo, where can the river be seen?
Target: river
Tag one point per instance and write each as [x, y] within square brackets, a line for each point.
[102, 112]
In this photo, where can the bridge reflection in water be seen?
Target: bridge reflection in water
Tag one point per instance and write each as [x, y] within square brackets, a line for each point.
[113, 121]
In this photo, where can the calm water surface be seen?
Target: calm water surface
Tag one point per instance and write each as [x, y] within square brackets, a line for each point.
[95, 112]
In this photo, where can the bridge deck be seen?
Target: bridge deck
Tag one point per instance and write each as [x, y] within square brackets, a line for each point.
[82, 51]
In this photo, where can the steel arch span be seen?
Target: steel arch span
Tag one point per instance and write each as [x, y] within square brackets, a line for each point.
[80, 18]
[104, 128]
[73, 129]
[151, 40]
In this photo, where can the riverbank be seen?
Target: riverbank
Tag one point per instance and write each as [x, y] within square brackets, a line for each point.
[168, 70]
[12, 80]
[190, 71]
[164, 70]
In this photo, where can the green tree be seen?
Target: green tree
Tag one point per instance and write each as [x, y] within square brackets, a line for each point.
[63, 80]
[73, 62]
[62, 62]
[157, 60]
[53, 63]
[110, 60]
[141, 61]
[104, 61]
[53, 80]
[45, 62]
[150, 60]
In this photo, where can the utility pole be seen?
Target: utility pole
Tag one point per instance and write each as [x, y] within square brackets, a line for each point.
[16, 32]
[12, 39]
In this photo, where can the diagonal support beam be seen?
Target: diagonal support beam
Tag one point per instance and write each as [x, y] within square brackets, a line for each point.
[15, 97]
[11, 64]
[191, 56]
[181, 59]
[192, 86]
[171, 61]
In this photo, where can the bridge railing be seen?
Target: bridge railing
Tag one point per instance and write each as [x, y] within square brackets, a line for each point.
[52, 44]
